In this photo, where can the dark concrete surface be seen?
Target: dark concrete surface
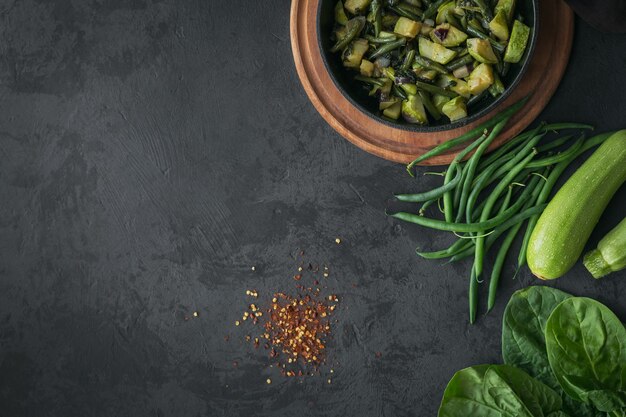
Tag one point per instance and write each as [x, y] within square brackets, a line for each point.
[152, 152]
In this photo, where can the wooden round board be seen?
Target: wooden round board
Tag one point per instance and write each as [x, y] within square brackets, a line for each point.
[556, 32]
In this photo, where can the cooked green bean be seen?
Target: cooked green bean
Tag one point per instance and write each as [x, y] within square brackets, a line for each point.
[408, 60]
[459, 62]
[377, 11]
[388, 47]
[430, 64]
[479, 34]
[433, 89]
[354, 27]
[432, 9]
[430, 107]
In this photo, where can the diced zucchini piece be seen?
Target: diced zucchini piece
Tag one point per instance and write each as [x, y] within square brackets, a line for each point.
[517, 43]
[426, 29]
[367, 68]
[407, 27]
[435, 52]
[480, 79]
[413, 110]
[393, 112]
[427, 74]
[448, 35]
[454, 84]
[455, 109]
[387, 102]
[340, 14]
[439, 100]
[409, 88]
[497, 87]
[481, 51]
[353, 54]
[507, 6]
[443, 11]
[357, 6]
[499, 26]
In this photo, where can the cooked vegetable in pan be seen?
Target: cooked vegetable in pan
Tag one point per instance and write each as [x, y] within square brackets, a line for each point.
[429, 59]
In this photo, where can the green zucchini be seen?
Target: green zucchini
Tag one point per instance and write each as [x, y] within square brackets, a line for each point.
[610, 256]
[563, 229]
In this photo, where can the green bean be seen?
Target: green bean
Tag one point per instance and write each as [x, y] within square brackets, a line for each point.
[479, 34]
[432, 9]
[562, 126]
[505, 168]
[462, 227]
[484, 9]
[408, 60]
[378, 16]
[433, 89]
[373, 39]
[472, 164]
[369, 80]
[473, 296]
[435, 193]
[431, 65]
[399, 92]
[456, 247]
[354, 27]
[503, 165]
[404, 13]
[459, 62]
[452, 20]
[507, 200]
[388, 47]
[412, 10]
[499, 154]
[497, 232]
[472, 134]
[448, 201]
[426, 205]
[480, 241]
[551, 160]
[499, 263]
[554, 144]
[430, 107]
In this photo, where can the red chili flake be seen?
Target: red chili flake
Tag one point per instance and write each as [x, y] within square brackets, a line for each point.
[297, 277]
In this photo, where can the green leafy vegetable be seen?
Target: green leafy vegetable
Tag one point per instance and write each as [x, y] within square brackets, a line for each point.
[586, 346]
[524, 343]
[498, 391]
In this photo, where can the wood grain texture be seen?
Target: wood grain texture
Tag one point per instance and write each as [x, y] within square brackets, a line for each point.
[540, 82]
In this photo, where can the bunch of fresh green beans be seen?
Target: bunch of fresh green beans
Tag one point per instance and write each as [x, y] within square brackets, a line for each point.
[485, 197]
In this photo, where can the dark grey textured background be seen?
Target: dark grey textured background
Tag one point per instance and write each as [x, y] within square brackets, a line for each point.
[152, 152]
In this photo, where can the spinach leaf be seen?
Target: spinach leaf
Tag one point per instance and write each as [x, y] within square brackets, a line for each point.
[586, 346]
[523, 331]
[498, 391]
[524, 344]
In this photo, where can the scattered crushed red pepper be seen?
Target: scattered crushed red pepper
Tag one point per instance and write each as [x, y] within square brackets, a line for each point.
[296, 327]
